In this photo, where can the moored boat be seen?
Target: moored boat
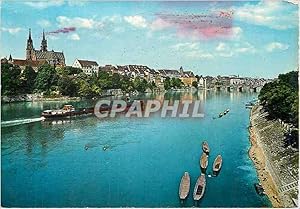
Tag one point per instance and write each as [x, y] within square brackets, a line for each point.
[217, 164]
[205, 147]
[184, 187]
[199, 187]
[221, 114]
[204, 161]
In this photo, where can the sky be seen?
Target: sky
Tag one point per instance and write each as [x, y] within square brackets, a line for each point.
[245, 38]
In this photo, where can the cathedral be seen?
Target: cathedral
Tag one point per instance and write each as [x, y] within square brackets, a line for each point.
[36, 58]
[51, 57]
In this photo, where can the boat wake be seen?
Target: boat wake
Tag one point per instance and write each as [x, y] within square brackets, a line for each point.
[20, 121]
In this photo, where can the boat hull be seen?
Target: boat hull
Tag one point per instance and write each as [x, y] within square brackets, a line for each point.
[205, 147]
[184, 187]
[203, 162]
[217, 165]
[199, 188]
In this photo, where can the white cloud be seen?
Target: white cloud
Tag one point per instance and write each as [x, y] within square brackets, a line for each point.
[74, 37]
[191, 50]
[136, 21]
[77, 22]
[11, 30]
[185, 46]
[236, 32]
[44, 23]
[229, 50]
[244, 47]
[221, 47]
[199, 54]
[273, 14]
[51, 37]
[44, 4]
[76, 2]
[276, 46]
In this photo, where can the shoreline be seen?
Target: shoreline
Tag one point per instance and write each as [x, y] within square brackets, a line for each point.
[259, 158]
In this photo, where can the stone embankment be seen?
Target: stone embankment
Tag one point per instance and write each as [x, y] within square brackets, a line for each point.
[276, 163]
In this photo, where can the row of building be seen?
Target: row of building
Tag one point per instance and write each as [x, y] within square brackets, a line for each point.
[38, 57]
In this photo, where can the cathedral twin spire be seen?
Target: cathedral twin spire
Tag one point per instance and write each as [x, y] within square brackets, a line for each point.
[30, 42]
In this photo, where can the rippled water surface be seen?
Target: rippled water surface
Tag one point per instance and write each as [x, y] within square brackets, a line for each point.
[134, 162]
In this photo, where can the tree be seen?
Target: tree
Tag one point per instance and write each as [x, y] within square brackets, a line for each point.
[140, 84]
[67, 86]
[176, 83]
[280, 97]
[10, 80]
[195, 84]
[46, 78]
[28, 79]
[167, 83]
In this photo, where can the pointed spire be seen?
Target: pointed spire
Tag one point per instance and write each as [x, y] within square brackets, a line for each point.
[10, 57]
[43, 34]
[29, 34]
[44, 43]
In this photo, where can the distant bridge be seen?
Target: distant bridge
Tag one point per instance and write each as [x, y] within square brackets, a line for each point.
[239, 88]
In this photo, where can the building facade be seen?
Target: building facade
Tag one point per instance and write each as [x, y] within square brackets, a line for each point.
[87, 66]
[36, 58]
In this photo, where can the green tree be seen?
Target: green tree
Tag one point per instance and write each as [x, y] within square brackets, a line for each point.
[280, 97]
[140, 84]
[28, 79]
[67, 86]
[10, 80]
[167, 83]
[176, 83]
[195, 84]
[46, 78]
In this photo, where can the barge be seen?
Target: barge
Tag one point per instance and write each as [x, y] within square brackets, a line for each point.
[69, 111]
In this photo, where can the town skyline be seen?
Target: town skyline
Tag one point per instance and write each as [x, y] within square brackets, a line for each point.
[160, 44]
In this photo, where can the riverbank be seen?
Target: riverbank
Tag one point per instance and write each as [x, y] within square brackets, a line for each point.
[36, 97]
[274, 162]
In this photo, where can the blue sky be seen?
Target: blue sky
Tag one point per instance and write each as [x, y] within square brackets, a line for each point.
[256, 38]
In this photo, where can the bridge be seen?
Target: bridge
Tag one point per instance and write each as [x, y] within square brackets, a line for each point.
[239, 88]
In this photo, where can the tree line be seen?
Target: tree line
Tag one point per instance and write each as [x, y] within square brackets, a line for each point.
[280, 97]
[67, 81]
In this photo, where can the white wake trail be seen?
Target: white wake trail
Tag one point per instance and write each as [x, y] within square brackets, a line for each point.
[20, 121]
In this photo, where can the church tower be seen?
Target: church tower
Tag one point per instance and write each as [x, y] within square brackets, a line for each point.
[29, 48]
[181, 71]
[44, 43]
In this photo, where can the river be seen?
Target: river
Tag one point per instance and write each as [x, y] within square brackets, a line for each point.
[129, 162]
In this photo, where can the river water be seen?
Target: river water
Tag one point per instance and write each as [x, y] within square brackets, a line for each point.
[130, 162]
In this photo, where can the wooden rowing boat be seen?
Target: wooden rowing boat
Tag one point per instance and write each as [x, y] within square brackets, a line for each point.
[205, 147]
[217, 164]
[184, 187]
[204, 161]
[199, 187]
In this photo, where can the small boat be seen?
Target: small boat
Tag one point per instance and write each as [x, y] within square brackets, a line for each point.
[217, 164]
[204, 161]
[205, 147]
[259, 189]
[184, 187]
[221, 114]
[227, 110]
[199, 187]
